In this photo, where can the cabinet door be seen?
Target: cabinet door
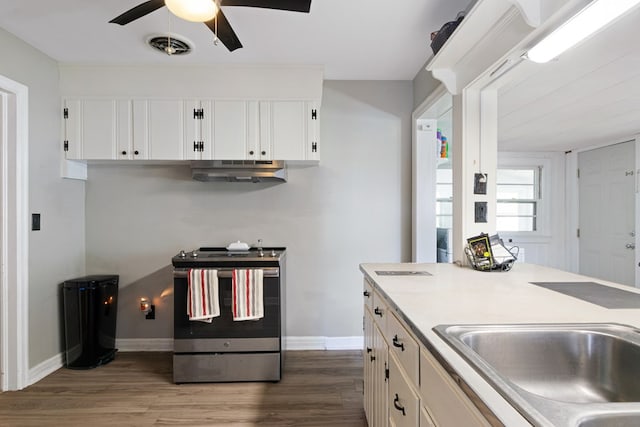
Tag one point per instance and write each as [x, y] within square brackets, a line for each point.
[369, 364]
[198, 116]
[159, 129]
[235, 135]
[72, 129]
[96, 129]
[404, 405]
[380, 380]
[284, 127]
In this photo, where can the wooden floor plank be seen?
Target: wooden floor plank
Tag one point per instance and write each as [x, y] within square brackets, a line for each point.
[318, 388]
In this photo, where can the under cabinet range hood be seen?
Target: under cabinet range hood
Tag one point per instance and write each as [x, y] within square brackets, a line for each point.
[239, 170]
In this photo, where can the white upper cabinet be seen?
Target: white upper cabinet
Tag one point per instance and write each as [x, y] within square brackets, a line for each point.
[190, 129]
[197, 130]
[158, 126]
[291, 128]
[95, 129]
[235, 131]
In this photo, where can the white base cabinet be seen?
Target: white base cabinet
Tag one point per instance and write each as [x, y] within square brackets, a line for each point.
[404, 378]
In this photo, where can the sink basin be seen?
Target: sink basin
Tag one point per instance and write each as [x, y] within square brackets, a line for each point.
[557, 374]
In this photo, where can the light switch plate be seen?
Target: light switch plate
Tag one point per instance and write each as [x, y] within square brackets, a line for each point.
[35, 221]
[481, 211]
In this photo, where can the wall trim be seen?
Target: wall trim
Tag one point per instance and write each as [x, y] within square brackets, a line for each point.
[45, 368]
[14, 252]
[289, 343]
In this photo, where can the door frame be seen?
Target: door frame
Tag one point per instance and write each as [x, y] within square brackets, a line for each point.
[14, 248]
[573, 203]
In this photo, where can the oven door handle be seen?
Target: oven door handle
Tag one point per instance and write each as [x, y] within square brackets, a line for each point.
[225, 273]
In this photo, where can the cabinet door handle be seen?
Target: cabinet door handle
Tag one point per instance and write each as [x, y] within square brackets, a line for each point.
[397, 343]
[264, 153]
[251, 153]
[377, 311]
[124, 153]
[369, 349]
[136, 152]
[195, 146]
[373, 358]
[366, 294]
[396, 404]
[201, 145]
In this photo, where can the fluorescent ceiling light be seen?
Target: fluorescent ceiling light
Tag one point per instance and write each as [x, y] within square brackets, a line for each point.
[193, 10]
[586, 22]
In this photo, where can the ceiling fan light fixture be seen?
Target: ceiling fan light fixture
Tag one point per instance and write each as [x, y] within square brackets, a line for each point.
[193, 10]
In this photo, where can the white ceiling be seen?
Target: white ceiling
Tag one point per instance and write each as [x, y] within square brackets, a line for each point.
[352, 39]
[588, 97]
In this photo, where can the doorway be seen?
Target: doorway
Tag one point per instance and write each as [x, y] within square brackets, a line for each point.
[14, 247]
[606, 192]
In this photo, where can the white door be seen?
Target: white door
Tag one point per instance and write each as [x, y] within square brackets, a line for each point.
[607, 213]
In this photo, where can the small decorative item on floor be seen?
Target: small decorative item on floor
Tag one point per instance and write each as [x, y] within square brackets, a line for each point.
[488, 253]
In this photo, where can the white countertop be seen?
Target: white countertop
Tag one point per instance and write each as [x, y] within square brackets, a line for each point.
[461, 295]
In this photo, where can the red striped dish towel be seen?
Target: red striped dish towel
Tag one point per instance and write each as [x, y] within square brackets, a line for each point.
[248, 299]
[202, 296]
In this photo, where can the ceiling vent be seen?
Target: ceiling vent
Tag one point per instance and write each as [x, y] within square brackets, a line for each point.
[169, 44]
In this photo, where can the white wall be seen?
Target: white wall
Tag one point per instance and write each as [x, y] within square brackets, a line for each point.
[353, 208]
[57, 251]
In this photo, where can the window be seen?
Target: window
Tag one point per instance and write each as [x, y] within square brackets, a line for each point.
[444, 198]
[518, 198]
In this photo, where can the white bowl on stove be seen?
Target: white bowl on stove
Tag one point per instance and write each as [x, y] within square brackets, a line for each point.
[238, 246]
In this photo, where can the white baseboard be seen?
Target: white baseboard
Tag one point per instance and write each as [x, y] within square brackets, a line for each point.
[45, 368]
[323, 343]
[288, 343]
[144, 344]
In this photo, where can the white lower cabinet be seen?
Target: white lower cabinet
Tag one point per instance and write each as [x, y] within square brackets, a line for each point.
[448, 405]
[404, 385]
[404, 403]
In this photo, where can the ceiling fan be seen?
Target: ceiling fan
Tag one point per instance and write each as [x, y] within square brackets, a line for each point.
[218, 24]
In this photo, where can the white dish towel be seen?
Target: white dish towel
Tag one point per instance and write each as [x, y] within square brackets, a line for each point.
[248, 298]
[202, 299]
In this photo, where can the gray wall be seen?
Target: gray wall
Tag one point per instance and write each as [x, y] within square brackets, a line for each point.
[56, 252]
[423, 85]
[353, 208]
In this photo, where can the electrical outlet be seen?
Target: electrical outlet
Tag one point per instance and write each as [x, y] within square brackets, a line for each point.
[481, 211]
[151, 315]
[480, 183]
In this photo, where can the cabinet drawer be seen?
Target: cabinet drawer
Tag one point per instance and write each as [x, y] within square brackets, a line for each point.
[368, 294]
[380, 312]
[447, 404]
[404, 347]
[404, 404]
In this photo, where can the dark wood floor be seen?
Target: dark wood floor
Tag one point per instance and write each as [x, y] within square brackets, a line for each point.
[319, 388]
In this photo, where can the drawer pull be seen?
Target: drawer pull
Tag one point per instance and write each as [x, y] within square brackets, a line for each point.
[367, 294]
[373, 358]
[396, 404]
[396, 343]
[378, 311]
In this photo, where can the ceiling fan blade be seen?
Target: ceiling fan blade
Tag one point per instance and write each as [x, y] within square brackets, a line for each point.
[290, 5]
[138, 12]
[225, 33]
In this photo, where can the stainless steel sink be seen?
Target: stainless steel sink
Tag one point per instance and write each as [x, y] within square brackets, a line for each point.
[558, 374]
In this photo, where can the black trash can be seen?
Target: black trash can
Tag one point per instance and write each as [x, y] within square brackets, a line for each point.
[90, 308]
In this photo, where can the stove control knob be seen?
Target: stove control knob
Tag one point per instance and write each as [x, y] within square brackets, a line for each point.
[194, 254]
[273, 253]
[182, 254]
[261, 253]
